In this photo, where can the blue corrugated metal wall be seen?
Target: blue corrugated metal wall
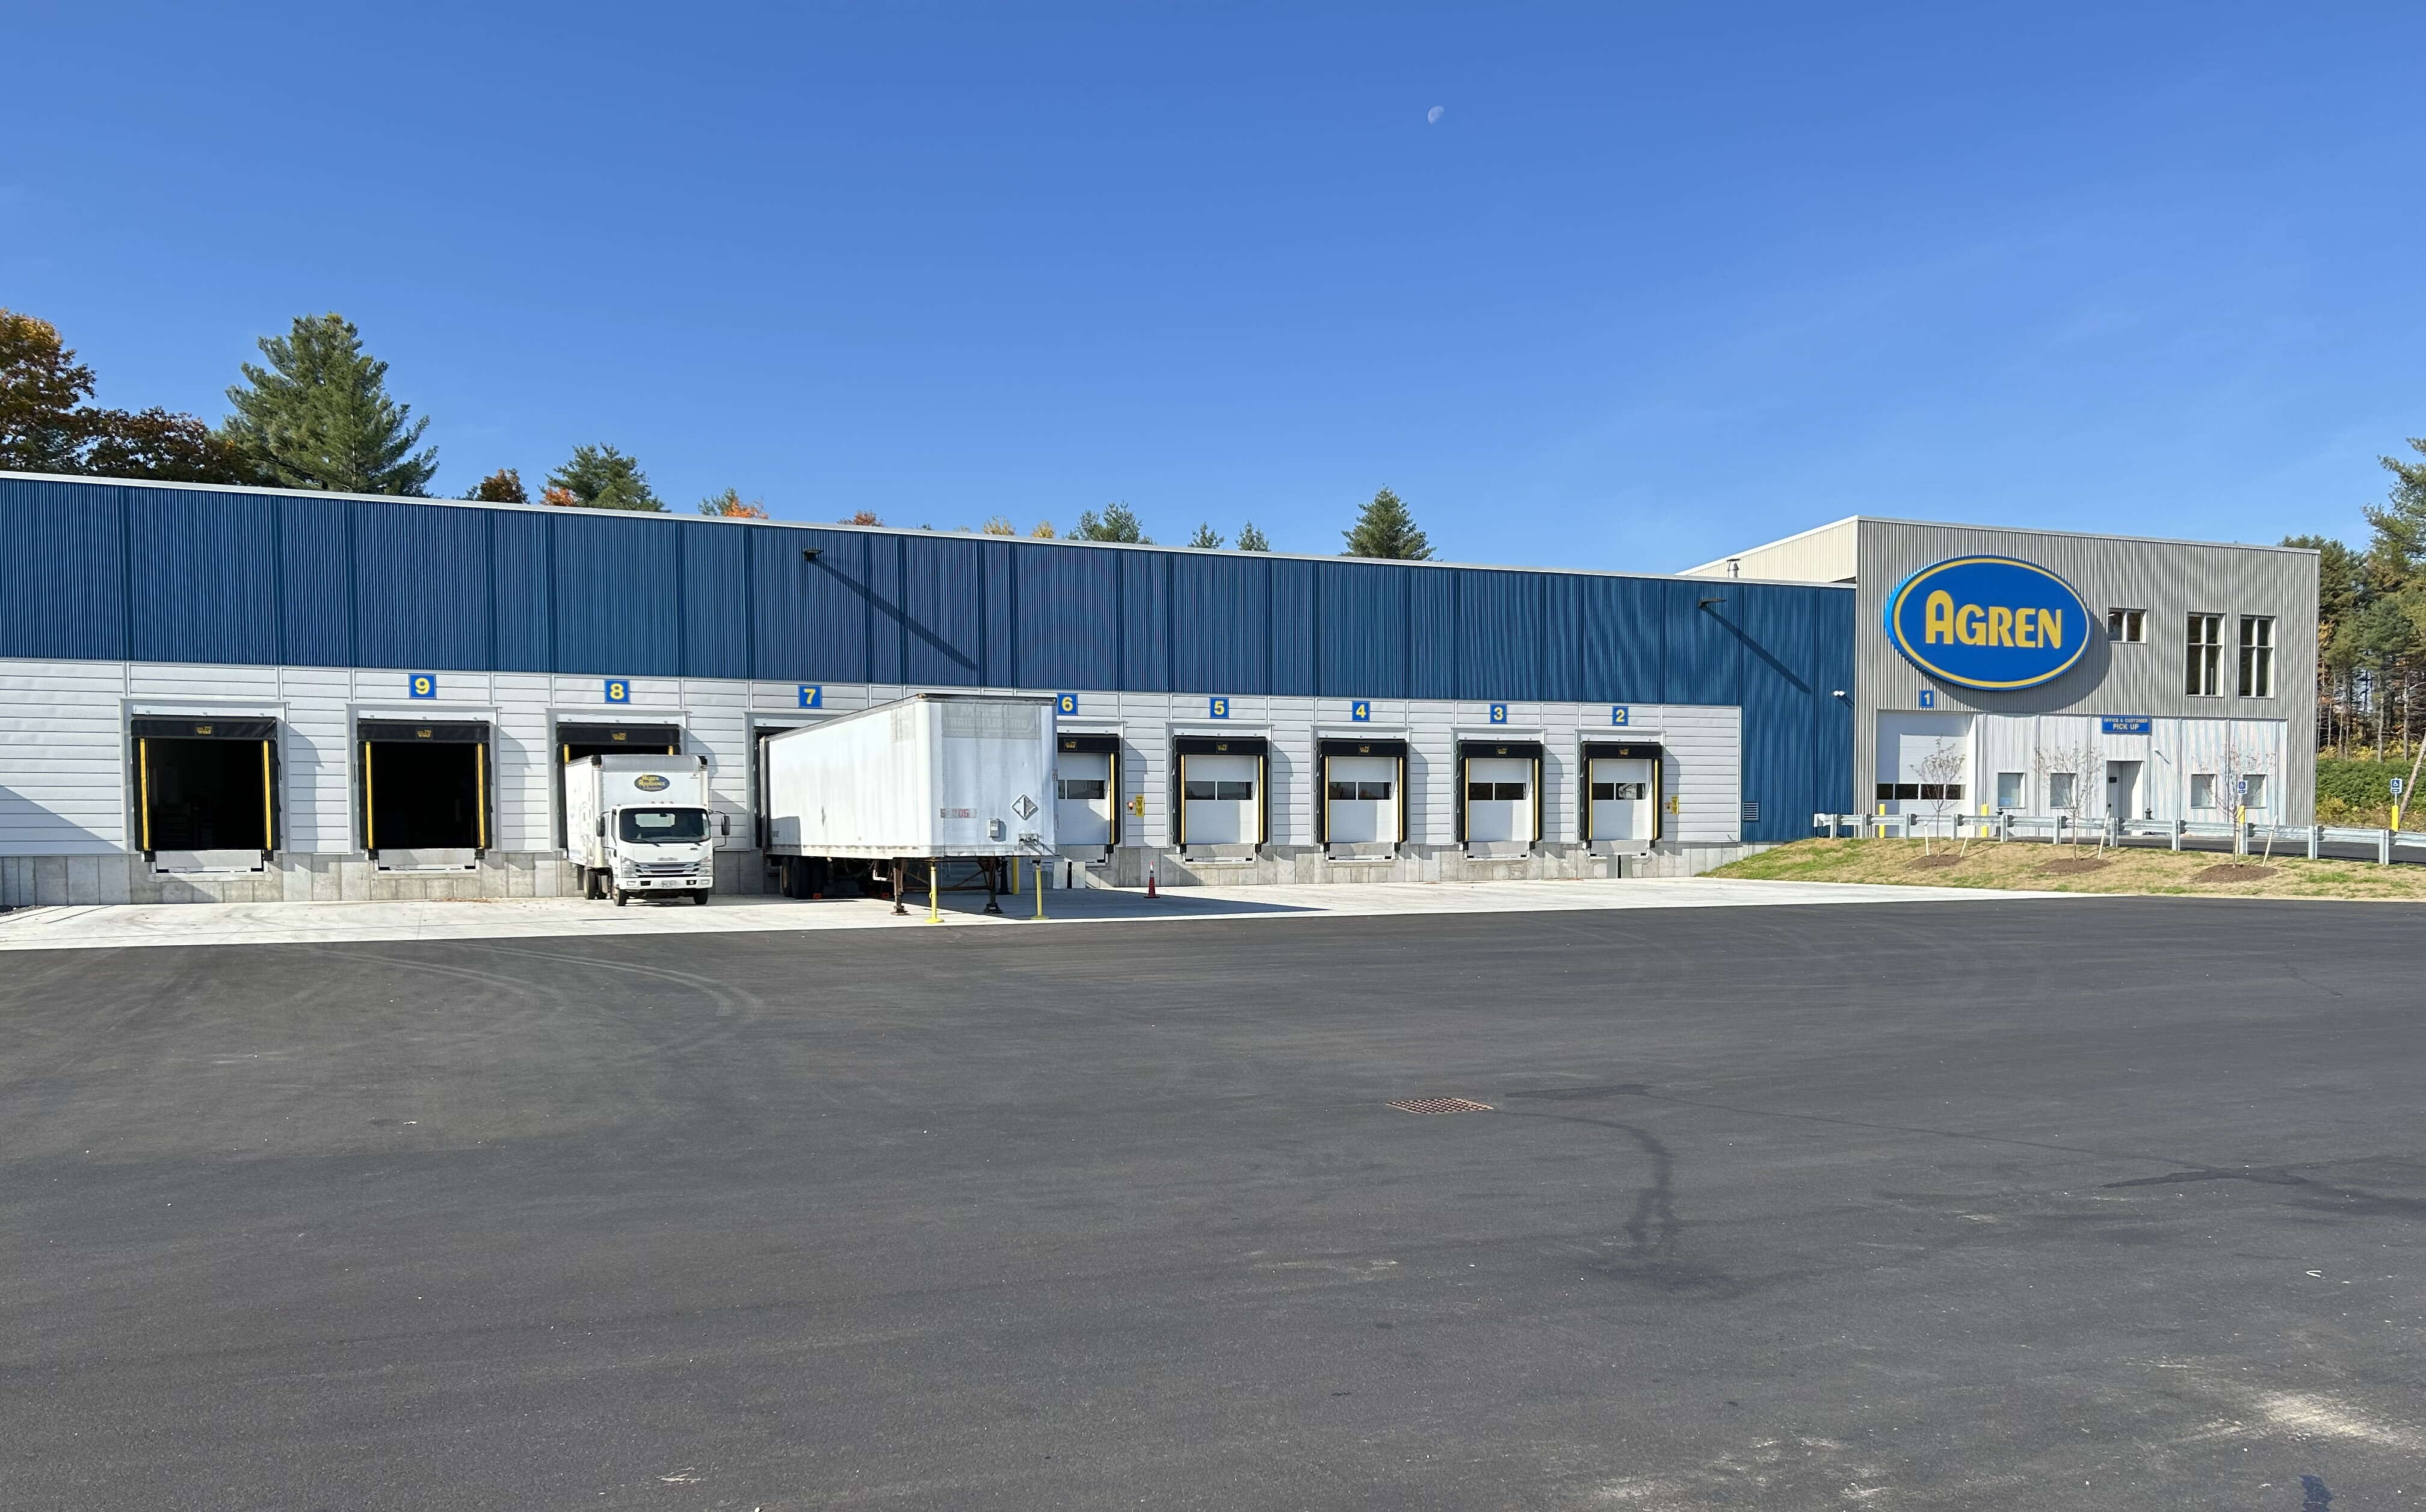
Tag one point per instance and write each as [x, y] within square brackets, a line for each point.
[105, 570]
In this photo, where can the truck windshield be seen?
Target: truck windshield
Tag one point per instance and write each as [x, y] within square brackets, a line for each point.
[663, 824]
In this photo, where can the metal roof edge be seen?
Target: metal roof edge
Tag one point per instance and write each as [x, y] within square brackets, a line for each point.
[883, 530]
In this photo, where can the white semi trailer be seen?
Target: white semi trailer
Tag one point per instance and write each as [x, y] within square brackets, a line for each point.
[934, 778]
[637, 825]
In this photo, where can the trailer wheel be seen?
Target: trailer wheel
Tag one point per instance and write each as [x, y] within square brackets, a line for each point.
[593, 884]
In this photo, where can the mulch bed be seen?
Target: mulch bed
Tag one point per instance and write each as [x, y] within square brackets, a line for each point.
[1930, 864]
[2233, 871]
[2074, 868]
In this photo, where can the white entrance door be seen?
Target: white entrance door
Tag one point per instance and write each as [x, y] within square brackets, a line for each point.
[1499, 799]
[1220, 792]
[1362, 795]
[2123, 789]
[1621, 798]
[1083, 796]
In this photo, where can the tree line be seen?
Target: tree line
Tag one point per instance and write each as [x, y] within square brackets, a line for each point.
[2371, 621]
[315, 413]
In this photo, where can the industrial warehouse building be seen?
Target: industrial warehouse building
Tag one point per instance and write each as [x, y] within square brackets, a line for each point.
[215, 693]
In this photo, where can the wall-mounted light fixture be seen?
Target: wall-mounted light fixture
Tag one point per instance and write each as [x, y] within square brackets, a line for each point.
[1706, 603]
[808, 553]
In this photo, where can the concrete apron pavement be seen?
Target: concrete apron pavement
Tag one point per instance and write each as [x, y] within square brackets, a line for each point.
[118, 926]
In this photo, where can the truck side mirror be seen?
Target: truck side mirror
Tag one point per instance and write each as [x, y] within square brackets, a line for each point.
[724, 826]
[602, 827]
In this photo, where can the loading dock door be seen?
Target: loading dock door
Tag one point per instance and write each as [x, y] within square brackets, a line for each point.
[424, 788]
[577, 741]
[1500, 798]
[1223, 796]
[1622, 792]
[206, 784]
[1087, 790]
[1363, 792]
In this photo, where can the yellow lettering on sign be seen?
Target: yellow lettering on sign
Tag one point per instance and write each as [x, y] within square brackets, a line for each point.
[1966, 625]
[2026, 627]
[2051, 629]
[2001, 626]
[1938, 615]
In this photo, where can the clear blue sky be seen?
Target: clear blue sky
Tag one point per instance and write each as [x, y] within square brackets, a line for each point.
[1659, 282]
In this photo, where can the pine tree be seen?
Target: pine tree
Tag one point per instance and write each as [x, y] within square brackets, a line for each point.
[730, 505]
[1207, 539]
[601, 477]
[319, 416]
[1386, 530]
[504, 486]
[1252, 540]
[1118, 523]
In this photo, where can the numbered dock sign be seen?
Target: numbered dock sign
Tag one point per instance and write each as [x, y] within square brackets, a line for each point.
[1361, 711]
[618, 690]
[1217, 709]
[1067, 703]
[1620, 714]
[812, 696]
[1499, 714]
[424, 686]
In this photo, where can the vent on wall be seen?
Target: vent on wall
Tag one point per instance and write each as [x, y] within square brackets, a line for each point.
[1752, 813]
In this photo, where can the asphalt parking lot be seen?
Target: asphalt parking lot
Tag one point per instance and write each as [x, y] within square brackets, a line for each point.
[2104, 1203]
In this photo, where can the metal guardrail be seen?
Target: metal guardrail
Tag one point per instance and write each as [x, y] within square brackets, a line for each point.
[2177, 834]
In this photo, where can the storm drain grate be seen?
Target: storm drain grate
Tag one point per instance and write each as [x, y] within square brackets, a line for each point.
[1440, 1104]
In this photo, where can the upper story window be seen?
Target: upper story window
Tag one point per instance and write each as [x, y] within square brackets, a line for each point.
[2257, 656]
[2127, 625]
[2206, 658]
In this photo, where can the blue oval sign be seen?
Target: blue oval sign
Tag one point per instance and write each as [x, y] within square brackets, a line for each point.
[1989, 623]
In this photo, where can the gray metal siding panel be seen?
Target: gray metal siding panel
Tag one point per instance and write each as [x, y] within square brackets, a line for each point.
[62, 570]
[715, 600]
[202, 571]
[810, 619]
[1297, 625]
[521, 609]
[617, 596]
[1363, 636]
[315, 612]
[421, 587]
[2169, 579]
[1065, 620]
[1221, 613]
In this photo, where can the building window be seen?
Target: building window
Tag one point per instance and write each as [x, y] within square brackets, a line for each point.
[2202, 790]
[2205, 655]
[1201, 791]
[2009, 791]
[2129, 625]
[2256, 798]
[2257, 656]
[1082, 789]
[2061, 788]
[1494, 792]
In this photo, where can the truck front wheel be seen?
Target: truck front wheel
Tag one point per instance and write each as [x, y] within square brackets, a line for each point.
[621, 897]
[700, 897]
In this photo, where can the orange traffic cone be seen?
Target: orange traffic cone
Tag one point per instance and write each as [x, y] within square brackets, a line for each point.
[1149, 882]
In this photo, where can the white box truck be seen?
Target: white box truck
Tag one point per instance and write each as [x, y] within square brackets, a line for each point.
[936, 776]
[637, 825]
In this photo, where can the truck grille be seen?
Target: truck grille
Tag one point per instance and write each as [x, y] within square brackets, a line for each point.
[666, 868]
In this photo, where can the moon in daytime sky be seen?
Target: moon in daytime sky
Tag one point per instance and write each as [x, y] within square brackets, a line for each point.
[1431, 116]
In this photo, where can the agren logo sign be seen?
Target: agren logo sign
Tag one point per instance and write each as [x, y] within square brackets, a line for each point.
[649, 782]
[1989, 623]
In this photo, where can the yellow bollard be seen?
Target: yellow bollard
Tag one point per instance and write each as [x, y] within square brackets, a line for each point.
[934, 896]
[1036, 870]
